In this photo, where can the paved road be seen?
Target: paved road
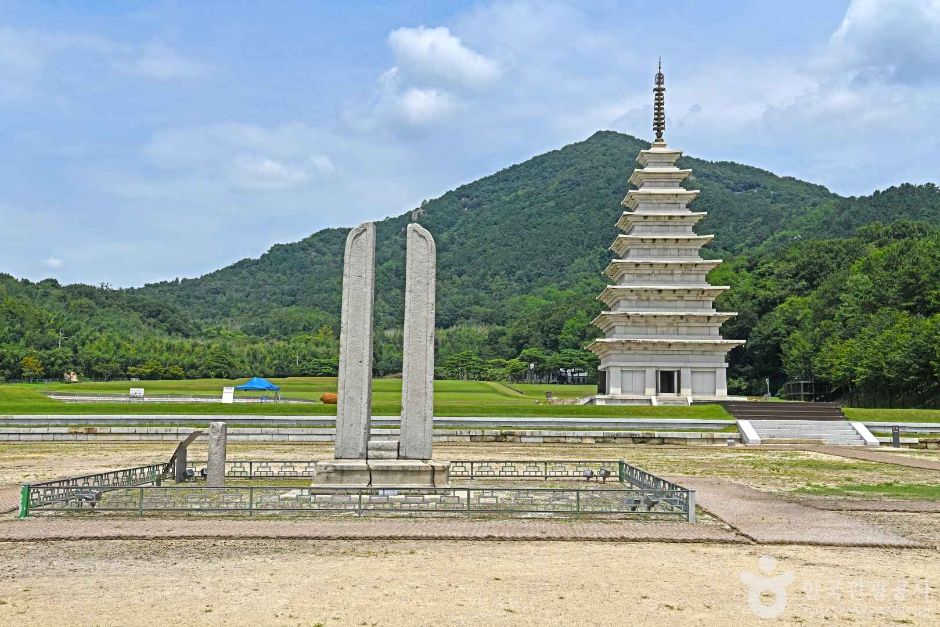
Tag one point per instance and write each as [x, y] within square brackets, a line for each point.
[768, 519]
[876, 456]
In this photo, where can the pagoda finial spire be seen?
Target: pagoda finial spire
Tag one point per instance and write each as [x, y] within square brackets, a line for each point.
[659, 103]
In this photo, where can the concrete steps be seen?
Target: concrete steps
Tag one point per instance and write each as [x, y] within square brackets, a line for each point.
[837, 433]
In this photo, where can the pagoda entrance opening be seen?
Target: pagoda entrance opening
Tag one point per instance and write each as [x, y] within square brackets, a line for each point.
[667, 382]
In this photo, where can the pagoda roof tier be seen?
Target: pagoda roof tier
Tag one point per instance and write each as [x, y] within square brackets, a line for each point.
[617, 266]
[659, 195]
[659, 154]
[658, 174]
[607, 345]
[607, 319]
[625, 242]
[612, 294]
[666, 218]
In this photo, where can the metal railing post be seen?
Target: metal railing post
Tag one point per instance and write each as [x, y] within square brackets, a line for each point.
[577, 501]
[359, 506]
[468, 502]
[24, 501]
[545, 471]
[140, 503]
[251, 500]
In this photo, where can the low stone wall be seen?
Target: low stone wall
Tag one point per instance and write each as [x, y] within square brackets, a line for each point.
[932, 444]
[273, 434]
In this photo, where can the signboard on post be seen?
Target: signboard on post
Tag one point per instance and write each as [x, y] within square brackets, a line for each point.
[228, 395]
[136, 393]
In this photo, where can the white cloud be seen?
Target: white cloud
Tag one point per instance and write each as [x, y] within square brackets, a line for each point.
[26, 53]
[436, 55]
[422, 106]
[53, 263]
[265, 173]
[161, 62]
[896, 41]
[244, 156]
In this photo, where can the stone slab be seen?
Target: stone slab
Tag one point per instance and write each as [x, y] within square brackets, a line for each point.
[343, 472]
[382, 473]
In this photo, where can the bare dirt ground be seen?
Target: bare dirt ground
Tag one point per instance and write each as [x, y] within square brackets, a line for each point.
[459, 583]
[375, 581]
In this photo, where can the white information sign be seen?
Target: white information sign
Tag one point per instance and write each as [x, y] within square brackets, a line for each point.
[228, 395]
[137, 393]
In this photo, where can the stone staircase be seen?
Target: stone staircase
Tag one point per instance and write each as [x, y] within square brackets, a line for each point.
[832, 432]
[794, 423]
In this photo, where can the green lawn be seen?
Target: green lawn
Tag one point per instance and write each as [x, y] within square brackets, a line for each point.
[892, 415]
[891, 489]
[452, 398]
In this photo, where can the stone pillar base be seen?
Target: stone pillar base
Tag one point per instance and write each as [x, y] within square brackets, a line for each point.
[382, 473]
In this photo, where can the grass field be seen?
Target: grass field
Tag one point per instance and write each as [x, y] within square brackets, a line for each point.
[892, 415]
[889, 489]
[452, 398]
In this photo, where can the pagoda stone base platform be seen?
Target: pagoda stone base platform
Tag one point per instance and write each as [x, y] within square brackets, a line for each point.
[382, 473]
[627, 399]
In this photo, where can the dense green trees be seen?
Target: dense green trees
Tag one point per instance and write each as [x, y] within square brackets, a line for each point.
[822, 290]
[860, 314]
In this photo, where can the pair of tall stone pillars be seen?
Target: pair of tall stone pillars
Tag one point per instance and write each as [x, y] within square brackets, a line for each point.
[354, 399]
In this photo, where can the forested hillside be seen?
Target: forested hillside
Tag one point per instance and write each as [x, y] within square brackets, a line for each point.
[520, 256]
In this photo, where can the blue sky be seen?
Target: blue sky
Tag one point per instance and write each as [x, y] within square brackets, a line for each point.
[142, 141]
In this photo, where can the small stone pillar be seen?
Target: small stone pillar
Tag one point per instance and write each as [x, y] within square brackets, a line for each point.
[215, 472]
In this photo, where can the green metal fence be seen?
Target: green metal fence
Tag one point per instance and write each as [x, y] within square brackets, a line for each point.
[139, 490]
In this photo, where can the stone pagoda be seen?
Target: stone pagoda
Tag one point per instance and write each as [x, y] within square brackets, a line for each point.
[661, 339]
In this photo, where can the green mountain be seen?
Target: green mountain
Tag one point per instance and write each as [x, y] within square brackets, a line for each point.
[519, 259]
[544, 223]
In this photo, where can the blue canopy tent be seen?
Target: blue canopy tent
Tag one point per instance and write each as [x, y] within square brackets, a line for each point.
[257, 384]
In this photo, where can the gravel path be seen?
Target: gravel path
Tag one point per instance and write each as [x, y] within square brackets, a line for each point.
[883, 457]
[768, 519]
[366, 529]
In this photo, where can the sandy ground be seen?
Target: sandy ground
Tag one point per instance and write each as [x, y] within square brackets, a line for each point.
[453, 582]
[481, 583]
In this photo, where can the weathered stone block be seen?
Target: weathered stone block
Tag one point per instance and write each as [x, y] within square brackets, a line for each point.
[215, 468]
[350, 472]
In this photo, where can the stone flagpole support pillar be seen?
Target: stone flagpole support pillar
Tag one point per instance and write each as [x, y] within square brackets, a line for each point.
[215, 469]
[417, 387]
[354, 394]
